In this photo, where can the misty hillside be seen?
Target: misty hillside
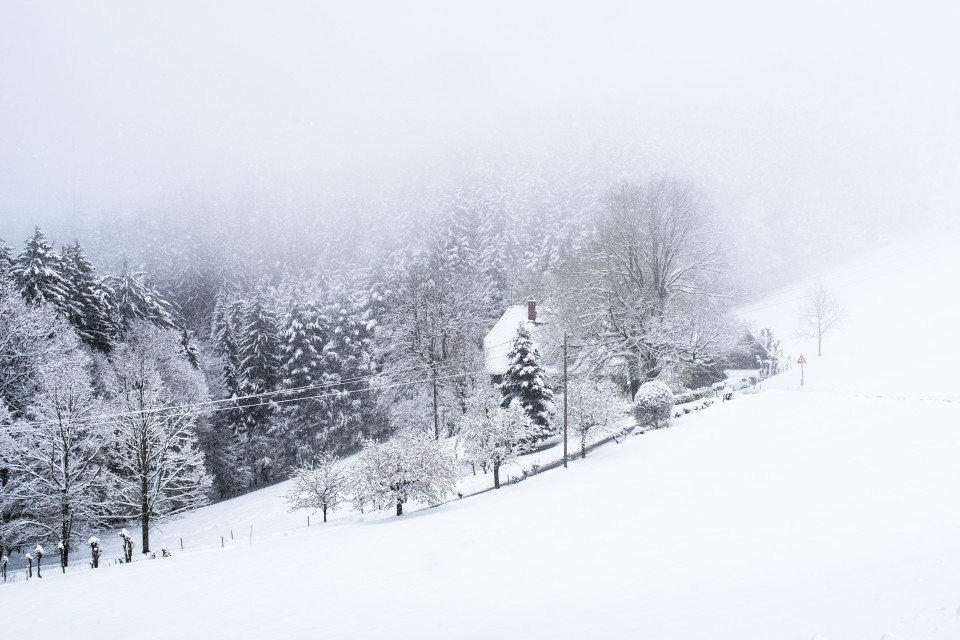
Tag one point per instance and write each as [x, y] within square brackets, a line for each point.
[793, 513]
[360, 266]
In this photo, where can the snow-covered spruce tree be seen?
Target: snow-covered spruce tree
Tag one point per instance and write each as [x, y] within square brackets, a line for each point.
[347, 366]
[136, 300]
[158, 471]
[320, 485]
[594, 408]
[90, 305]
[6, 260]
[524, 384]
[54, 458]
[259, 343]
[38, 273]
[496, 439]
[653, 405]
[223, 336]
[411, 466]
[302, 337]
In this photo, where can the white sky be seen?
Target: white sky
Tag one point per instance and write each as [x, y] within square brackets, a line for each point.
[809, 110]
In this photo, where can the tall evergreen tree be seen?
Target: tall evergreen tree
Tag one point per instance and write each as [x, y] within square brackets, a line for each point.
[524, 383]
[38, 273]
[259, 373]
[6, 260]
[89, 305]
[136, 300]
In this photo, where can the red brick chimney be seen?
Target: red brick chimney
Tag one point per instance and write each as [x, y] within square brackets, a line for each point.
[531, 310]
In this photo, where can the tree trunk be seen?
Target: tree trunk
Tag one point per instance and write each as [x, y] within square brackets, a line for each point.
[583, 447]
[399, 508]
[324, 513]
[496, 475]
[819, 345]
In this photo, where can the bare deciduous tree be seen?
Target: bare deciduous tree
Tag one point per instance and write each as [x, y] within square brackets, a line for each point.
[654, 257]
[317, 486]
[819, 314]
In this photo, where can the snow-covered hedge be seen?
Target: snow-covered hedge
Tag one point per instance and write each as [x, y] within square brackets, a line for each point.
[653, 404]
[691, 396]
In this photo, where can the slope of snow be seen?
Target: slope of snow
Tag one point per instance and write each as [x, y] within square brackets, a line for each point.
[782, 514]
[898, 337]
[826, 512]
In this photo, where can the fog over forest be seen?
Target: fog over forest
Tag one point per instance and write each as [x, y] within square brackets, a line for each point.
[814, 129]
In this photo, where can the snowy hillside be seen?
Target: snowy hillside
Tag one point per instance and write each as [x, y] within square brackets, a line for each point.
[830, 513]
[901, 311]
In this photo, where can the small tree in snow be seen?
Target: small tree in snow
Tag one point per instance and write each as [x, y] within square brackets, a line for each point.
[95, 551]
[496, 439]
[39, 552]
[317, 486]
[653, 404]
[127, 545]
[593, 407]
[819, 314]
[409, 467]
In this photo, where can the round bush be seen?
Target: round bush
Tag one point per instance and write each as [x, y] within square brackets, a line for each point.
[653, 404]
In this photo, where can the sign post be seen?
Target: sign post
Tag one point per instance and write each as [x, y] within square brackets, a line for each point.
[801, 362]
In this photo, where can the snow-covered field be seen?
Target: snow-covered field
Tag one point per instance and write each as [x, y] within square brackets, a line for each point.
[826, 512]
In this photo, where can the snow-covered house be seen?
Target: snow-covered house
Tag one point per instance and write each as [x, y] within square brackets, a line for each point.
[499, 340]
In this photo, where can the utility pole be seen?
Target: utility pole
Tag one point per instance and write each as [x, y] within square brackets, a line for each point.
[436, 410]
[565, 394]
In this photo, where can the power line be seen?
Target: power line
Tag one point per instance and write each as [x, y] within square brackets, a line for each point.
[177, 411]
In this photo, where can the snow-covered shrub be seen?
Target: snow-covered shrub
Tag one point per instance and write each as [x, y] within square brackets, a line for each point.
[690, 396]
[95, 551]
[653, 404]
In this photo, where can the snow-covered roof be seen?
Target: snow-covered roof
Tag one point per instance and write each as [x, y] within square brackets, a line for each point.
[497, 342]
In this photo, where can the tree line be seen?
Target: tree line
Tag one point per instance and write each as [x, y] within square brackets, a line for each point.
[236, 371]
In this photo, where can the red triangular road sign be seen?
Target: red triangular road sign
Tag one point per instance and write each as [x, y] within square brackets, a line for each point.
[801, 360]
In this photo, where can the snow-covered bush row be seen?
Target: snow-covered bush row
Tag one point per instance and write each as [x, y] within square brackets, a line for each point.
[691, 396]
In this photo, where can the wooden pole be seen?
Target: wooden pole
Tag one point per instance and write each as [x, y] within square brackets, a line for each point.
[565, 395]
[436, 410]
[181, 543]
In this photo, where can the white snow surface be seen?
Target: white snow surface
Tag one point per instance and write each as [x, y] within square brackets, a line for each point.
[827, 512]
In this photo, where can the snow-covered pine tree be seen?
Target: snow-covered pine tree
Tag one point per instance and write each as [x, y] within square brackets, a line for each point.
[302, 337]
[259, 343]
[347, 365]
[6, 260]
[90, 306]
[524, 383]
[136, 300]
[223, 336]
[38, 273]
